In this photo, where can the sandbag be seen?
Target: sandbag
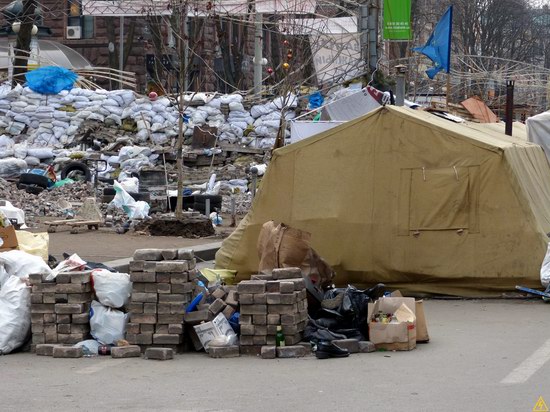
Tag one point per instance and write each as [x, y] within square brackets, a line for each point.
[107, 325]
[112, 289]
[22, 264]
[15, 314]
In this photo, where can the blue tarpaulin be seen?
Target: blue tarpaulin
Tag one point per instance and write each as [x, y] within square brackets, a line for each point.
[50, 79]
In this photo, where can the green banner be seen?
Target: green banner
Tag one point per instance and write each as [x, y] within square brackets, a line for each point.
[397, 20]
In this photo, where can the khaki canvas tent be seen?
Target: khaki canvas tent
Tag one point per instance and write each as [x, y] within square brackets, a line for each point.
[411, 200]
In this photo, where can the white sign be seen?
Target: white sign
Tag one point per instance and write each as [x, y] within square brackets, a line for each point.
[337, 57]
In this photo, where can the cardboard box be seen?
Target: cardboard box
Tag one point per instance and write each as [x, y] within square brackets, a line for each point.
[207, 331]
[393, 336]
[8, 238]
[422, 334]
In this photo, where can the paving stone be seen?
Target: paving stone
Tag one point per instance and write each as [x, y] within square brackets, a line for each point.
[170, 266]
[295, 351]
[352, 345]
[159, 353]
[185, 254]
[228, 312]
[254, 309]
[80, 277]
[148, 254]
[67, 352]
[224, 351]
[45, 349]
[268, 352]
[286, 273]
[63, 278]
[366, 346]
[169, 254]
[130, 351]
[143, 277]
[69, 308]
[232, 298]
[144, 297]
[251, 286]
[196, 317]
[216, 307]
[286, 287]
[168, 339]
[260, 298]
[73, 288]
[219, 293]
[143, 318]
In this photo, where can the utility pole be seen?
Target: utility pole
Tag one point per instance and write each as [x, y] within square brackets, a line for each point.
[121, 48]
[258, 53]
[368, 28]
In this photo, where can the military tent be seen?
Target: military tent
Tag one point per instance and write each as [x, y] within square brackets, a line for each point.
[417, 202]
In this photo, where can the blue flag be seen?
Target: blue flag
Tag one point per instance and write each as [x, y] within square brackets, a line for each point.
[438, 46]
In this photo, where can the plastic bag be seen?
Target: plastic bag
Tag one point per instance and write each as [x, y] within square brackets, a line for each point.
[74, 262]
[122, 200]
[107, 325]
[112, 289]
[90, 347]
[21, 264]
[545, 269]
[15, 314]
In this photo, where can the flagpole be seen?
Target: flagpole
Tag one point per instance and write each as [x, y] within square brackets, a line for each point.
[448, 90]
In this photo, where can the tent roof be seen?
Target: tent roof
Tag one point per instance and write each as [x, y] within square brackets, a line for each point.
[477, 134]
[51, 53]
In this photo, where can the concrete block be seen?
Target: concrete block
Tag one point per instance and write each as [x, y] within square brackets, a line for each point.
[173, 298]
[286, 273]
[68, 308]
[143, 277]
[299, 284]
[146, 328]
[73, 288]
[273, 319]
[50, 298]
[259, 340]
[63, 278]
[37, 327]
[61, 298]
[143, 318]
[164, 288]
[224, 351]
[289, 319]
[251, 286]
[216, 307]
[260, 298]
[136, 265]
[39, 338]
[148, 254]
[259, 319]
[272, 286]
[268, 352]
[44, 288]
[130, 351]
[293, 339]
[245, 319]
[293, 351]
[37, 298]
[71, 338]
[179, 278]
[175, 328]
[366, 346]
[289, 298]
[286, 287]
[171, 266]
[177, 309]
[81, 328]
[247, 330]
[251, 350]
[232, 298]
[79, 297]
[273, 298]
[35, 278]
[80, 318]
[159, 353]
[138, 287]
[352, 345]
[169, 254]
[45, 349]
[282, 309]
[254, 309]
[64, 328]
[246, 298]
[246, 340]
[186, 254]
[168, 319]
[50, 317]
[67, 352]
[144, 297]
[219, 293]
[163, 277]
[149, 308]
[161, 329]
[228, 311]
[139, 338]
[163, 308]
[80, 277]
[132, 328]
[167, 339]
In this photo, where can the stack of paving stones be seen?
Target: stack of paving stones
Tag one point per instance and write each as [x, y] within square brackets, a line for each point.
[271, 300]
[163, 284]
[60, 310]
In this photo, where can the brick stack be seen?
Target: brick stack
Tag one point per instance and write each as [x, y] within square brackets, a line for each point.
[268, 301]
[60, 308]
[162, 288]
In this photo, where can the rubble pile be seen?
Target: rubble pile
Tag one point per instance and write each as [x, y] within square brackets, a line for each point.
[271, 300]
[162, 287]
[60, 308]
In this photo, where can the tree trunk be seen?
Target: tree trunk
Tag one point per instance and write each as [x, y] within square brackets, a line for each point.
[23, 45]
[224, 46]
[111, 39]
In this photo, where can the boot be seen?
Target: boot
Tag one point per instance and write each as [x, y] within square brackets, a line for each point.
[326, 349]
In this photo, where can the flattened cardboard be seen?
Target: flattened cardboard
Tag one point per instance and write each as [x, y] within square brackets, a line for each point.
[8, 237]
[392, 336]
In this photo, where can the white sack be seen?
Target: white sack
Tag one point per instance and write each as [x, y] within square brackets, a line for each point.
[112, 289]
[107, 325]
[15, 314]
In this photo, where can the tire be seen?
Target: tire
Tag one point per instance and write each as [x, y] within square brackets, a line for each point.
[32, 179]
[76, 171]
[145, 196]
[107, 198]
[34, 190]
[215, 200]
[22, 186]
[109, 191]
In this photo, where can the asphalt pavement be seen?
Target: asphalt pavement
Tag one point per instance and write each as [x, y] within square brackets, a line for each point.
[484, 355]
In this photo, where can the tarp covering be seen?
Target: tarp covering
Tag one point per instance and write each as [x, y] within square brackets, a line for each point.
[479, 110]
[411, 200]
[538, 131]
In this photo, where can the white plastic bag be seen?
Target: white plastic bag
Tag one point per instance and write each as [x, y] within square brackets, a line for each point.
[21, 264]
[545, 269]
[72, 263]
[15, 314]
[122, 200]
[112, 289]
[107, 325]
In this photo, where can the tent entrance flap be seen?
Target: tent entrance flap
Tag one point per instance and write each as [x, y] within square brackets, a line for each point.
[437, 199]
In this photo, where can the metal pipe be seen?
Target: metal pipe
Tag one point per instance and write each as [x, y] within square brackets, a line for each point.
[509, 106]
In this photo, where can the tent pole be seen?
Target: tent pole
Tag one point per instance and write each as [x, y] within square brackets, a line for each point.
[447, 92]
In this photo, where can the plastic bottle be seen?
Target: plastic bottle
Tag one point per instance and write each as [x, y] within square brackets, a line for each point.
[280, 337]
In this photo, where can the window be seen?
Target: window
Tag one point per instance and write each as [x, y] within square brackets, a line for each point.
[75, 18]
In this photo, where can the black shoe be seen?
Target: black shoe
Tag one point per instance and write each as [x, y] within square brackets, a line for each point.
[325, 350]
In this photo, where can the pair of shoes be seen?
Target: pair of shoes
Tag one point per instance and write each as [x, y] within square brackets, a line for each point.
[325, 350]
